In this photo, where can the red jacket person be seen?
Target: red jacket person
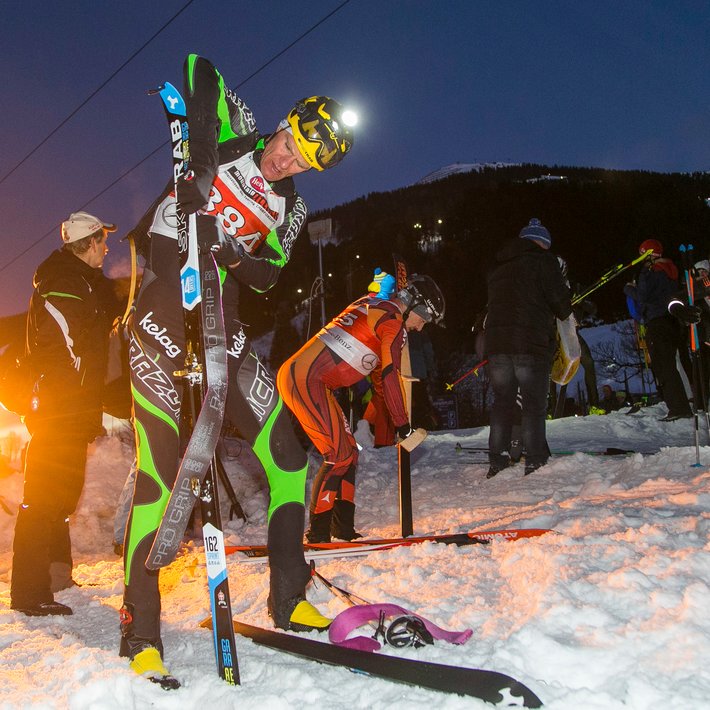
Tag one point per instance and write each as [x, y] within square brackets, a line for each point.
[369, 333]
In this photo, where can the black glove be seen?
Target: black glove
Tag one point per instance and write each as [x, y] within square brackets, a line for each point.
[226, 251]
[686, 314]
[404, 431]
[194, 193]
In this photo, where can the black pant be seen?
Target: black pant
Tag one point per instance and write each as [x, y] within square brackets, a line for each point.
[665, 338]
[531, 375]
[253, 407]
[54, 477]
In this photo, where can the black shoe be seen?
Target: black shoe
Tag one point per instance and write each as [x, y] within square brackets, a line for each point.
[495, 469]
[131, 645]
[347, 535]
[342, 524]
[673, 417]
[530, 467]
[319, 527]
[43, 609]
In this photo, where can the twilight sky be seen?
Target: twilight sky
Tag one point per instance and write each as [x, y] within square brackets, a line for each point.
[610, 83]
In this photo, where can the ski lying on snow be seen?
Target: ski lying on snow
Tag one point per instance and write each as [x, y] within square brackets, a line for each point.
[491, 686]
[362, 546]
[609, 451]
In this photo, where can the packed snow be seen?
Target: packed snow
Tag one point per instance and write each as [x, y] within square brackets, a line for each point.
[608, 611]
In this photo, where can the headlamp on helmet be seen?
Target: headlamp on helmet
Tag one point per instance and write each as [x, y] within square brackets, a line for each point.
[321, 129]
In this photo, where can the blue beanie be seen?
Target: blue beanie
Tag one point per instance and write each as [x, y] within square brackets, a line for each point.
[382, 285]
[535, 230]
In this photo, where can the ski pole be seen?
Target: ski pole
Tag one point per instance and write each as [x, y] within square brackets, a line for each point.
[351, 600]
[344, 595]
[473, 371]
[609, 275]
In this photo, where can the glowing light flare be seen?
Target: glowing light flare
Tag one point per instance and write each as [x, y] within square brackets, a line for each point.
[349, 118]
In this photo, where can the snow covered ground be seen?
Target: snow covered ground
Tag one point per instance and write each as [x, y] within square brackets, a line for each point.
[609, 611]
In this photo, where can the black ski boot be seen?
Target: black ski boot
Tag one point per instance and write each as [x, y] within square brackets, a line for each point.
[43, 609]
[287, 604]
[531, 466]
[342, 525]
[146, 655]
[319, 527]
[297, 614]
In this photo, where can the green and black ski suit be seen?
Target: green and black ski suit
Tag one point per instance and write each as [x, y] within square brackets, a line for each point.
[266, 219]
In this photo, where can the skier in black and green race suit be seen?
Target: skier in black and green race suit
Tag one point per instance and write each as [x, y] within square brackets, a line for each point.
[250, 216]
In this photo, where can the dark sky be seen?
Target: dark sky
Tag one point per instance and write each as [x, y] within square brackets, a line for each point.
[611, 83]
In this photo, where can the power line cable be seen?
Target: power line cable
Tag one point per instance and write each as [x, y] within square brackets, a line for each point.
[93, 93]
[295, 41]
[86, 204]
[153, 152]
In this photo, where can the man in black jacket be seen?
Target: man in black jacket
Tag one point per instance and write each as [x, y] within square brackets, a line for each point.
[526, 292]
[68, 325]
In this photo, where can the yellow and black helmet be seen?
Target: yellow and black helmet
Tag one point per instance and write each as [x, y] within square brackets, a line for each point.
[320, 131]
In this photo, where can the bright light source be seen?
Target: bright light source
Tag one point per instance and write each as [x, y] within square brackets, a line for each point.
[330, 275]
[349, 118]
[357, 256]
[440, 221]
[299, 290]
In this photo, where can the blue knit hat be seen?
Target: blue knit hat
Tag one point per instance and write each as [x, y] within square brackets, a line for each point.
[383, 284]
[535, 230]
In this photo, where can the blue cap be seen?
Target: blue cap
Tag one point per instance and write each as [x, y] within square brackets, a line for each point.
[535, 230]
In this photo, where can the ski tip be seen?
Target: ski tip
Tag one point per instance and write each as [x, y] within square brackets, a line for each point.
[517, 691]
[172, 99]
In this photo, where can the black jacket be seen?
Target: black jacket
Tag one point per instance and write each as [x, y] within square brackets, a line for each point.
[526, 292]
[68, 323]
[657, 284]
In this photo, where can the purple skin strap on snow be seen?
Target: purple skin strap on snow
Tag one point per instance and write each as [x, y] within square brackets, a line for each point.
[357, 616]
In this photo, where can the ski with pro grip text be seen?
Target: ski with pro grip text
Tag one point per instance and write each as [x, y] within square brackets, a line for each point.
[205, 390]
